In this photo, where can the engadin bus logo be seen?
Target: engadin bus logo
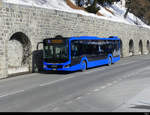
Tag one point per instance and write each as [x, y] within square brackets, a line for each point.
[49, 41]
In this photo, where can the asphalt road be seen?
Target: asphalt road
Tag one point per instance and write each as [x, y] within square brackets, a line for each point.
[102, 89]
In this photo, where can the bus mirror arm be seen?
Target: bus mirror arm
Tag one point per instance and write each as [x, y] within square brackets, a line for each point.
[37, 48]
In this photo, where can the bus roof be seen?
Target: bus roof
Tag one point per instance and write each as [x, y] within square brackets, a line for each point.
[94, 38]
[86, 38]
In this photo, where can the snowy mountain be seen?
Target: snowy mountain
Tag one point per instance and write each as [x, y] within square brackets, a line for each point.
[114, 12]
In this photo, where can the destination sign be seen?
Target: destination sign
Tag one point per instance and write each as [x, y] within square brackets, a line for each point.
[55, 41]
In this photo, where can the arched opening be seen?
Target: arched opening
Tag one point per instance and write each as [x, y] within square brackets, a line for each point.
[19, 53]
[148, 46]
[131, 48]
[121, 49]
[140, 48]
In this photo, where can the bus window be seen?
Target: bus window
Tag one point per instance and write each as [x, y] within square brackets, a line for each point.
[74, 49]
[101, 49]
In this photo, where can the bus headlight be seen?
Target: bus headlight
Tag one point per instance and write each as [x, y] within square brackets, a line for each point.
[67, 66]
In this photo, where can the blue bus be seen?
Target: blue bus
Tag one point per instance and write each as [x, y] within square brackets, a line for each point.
[79, 53]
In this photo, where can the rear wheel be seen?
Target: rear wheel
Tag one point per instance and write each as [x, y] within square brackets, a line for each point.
[109, 61]
[83, 66]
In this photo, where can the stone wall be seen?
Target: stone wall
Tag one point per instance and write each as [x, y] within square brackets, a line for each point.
[29, 25]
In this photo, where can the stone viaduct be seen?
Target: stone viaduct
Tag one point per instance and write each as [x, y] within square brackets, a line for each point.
[22, 27]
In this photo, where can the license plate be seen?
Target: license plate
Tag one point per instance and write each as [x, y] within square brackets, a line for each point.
[54, 69]
[54, 66]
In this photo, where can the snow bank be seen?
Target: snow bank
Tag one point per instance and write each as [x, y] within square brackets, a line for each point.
[117, 9]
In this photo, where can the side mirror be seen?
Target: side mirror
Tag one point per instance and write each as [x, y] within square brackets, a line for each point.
[37, 48]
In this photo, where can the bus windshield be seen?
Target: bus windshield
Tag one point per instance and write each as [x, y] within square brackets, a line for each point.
[56, 53]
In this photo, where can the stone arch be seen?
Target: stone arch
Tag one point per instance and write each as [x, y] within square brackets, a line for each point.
[19, 53]
[148, 46]
[140, 47]
[131, 47]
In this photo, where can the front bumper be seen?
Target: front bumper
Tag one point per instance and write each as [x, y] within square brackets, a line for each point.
[60, 67]
[57, 69]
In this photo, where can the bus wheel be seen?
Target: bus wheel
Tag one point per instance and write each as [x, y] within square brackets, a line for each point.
[109, 61]
[83, 66]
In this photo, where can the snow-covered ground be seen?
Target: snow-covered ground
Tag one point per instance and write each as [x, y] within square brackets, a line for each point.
[118, 10]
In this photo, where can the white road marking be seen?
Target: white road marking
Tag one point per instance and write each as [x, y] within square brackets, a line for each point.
[49, 83]
[127, 63]
[103, 87]
[89, 93]
[135, 73]
[12, 93]
[44, 84]
[96, 90]
[69, 102]
[94, 70]
[78, 98]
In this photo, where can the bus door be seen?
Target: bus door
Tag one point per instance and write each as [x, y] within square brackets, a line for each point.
[75, 53]
[37, 58]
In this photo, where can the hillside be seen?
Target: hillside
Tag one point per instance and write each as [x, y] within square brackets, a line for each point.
[141, 8]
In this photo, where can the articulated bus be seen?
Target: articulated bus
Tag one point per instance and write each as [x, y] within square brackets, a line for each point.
[79, 53]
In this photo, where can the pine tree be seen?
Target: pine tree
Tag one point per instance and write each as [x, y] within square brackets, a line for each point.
[128, 3]
[92, 8]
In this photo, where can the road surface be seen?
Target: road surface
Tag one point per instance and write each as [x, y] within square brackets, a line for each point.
[101, 89]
